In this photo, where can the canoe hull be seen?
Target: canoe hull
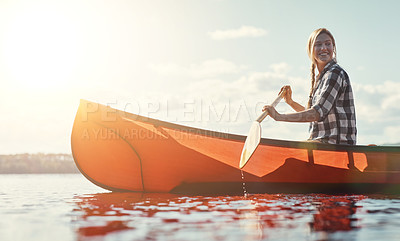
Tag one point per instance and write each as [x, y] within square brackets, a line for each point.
[120, 151]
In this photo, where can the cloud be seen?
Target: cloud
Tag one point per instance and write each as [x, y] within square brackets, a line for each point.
[211, 78]
[387, 87]
[267, 84]
[383, 97]
[274, 78]
[378, 112]
[206, 69]
[282, 67]
[242, 32]
[392, 134]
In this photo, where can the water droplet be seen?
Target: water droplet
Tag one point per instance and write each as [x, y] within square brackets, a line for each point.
[244, 184]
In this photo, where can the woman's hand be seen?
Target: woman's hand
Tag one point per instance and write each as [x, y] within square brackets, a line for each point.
[272, 112]
[287, 94]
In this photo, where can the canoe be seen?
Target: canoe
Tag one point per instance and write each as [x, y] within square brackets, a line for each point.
[121, 151]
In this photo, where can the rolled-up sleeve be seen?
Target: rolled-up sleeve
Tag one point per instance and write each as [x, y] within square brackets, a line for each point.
[327, 94]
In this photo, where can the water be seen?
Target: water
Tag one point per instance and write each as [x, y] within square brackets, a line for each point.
[68, 207]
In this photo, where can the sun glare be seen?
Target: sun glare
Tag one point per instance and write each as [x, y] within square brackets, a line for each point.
[40, 48]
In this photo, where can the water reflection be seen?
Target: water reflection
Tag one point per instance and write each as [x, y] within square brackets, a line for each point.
[335, 215]
[137, 216]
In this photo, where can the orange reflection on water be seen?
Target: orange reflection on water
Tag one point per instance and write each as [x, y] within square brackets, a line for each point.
[335, 215]
[256, 217]
[110, 226]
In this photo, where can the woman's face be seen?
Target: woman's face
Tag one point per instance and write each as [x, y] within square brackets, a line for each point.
[323, 49]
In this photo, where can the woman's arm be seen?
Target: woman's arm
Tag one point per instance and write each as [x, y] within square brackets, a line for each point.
[296, 106]
[309, 115]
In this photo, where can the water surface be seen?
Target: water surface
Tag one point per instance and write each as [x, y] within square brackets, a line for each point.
[68, 207]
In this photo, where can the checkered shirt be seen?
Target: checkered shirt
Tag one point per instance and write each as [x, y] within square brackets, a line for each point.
[333, 100]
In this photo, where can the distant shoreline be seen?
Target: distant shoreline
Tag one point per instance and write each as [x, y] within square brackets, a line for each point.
[38, 163]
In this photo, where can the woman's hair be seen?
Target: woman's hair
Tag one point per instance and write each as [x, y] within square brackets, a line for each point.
[310, 52]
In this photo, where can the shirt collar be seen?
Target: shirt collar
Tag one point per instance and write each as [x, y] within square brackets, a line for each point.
[327, 67]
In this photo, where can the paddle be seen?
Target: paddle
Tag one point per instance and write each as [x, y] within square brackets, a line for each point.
[254, 136]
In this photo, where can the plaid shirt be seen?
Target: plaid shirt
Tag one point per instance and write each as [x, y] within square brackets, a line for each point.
[333, 100]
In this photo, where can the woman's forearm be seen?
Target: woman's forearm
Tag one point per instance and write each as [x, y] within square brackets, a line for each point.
[296, 106]
[309, 115]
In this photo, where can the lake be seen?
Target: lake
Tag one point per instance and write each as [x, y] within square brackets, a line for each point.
[66, 207]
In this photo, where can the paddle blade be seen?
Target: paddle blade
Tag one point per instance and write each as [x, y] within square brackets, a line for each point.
[251, 143]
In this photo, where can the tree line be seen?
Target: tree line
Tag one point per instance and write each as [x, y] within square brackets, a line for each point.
[37, 163]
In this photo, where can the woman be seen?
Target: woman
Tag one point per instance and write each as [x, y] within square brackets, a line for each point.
[330, 107]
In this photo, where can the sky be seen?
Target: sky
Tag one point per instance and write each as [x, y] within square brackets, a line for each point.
[210, 64]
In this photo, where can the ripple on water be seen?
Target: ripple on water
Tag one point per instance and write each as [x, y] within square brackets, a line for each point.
[50, 207]
[237, 217]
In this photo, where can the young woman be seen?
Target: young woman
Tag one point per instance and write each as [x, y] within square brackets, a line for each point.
[330, 107]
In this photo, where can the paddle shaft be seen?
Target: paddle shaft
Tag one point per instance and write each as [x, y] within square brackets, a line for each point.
[265, 113]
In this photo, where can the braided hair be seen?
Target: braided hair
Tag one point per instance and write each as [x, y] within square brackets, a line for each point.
[312, 85]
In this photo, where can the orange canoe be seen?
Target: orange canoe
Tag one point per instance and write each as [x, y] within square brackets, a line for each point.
[120, 151]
